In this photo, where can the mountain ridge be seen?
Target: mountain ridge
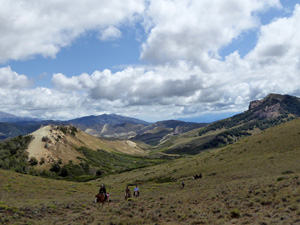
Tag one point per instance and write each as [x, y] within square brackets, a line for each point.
[261, 114]
[270, 111]
[111, 119]
[7, 118]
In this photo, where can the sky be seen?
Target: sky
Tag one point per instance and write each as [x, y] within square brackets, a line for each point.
[149, 59]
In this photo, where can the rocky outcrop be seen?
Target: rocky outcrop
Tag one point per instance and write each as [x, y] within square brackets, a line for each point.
[255, 104]
[275, 105]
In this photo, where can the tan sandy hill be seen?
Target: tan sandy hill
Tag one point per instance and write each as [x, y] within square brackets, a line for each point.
[52, 143]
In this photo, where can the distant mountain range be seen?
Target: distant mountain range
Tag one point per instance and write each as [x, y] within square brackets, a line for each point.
[6, 117]
[172, 135]
[111, 119]
[107, 126]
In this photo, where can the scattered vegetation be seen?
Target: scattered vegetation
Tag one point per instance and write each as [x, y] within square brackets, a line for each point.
[13, 155]
[242, 188]
[255, 180]
[33, 161]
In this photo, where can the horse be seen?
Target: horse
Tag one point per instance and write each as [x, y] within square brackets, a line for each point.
[100, 198]
[136, 194]
[127, 195]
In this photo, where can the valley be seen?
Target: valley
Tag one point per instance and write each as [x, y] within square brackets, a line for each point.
[253, 181]
[249, 165]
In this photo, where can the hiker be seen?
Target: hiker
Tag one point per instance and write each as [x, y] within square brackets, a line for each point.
[136, 192]
[182, 184]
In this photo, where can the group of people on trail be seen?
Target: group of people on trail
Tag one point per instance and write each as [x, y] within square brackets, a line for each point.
[136, 192]
[102, 192]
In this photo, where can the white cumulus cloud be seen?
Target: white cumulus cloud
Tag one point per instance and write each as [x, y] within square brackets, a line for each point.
[10, 79]
[196, 30]
[110, 33]
[30, 28]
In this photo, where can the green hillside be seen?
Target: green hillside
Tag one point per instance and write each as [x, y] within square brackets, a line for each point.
[262, 114]
[253, 181]
[72, 155]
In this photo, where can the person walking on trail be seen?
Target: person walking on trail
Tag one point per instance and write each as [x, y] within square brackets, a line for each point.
[182, 184]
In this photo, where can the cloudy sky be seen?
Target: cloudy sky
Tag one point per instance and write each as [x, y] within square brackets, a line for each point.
[149, 59]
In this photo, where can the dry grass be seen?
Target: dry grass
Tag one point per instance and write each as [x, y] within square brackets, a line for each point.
[254, 181]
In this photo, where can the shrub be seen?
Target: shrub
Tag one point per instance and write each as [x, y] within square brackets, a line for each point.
[63, 129]
[73, 131]
[45, 139]
[55, 167]
[281, 178]
[64, 172]
[33, 161]
[98, 173]
[287, 172]
[45, 173]
[235, 213]
[42, 161]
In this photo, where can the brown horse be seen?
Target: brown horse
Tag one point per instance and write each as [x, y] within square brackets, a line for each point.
[100, 198]
[127, 195]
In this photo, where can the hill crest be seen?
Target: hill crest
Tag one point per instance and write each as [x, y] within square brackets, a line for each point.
[262, 114]
[60, 143]
[275, 105]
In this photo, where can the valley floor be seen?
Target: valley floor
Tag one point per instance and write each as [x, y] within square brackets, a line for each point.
[254, 181]
[204, 201]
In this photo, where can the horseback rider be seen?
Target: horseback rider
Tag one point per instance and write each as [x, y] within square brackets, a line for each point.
[127, 192]
[136, 192]
[102, 191]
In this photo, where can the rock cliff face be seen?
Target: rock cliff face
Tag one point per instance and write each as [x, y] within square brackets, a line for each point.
[275, 105]
[254, 104]
[267, 112]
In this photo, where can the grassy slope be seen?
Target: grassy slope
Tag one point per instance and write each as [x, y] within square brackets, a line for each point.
[253, 181]
[186, 140]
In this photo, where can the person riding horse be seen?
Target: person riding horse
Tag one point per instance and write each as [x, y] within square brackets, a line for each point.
[136, 192]
[102, 195]
[127, 193]
[102, 191]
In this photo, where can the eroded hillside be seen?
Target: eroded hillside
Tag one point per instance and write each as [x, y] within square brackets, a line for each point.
[68, 153]
[53, 143]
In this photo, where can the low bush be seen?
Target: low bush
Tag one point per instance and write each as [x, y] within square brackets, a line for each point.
[33, 161]
[235, 213]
